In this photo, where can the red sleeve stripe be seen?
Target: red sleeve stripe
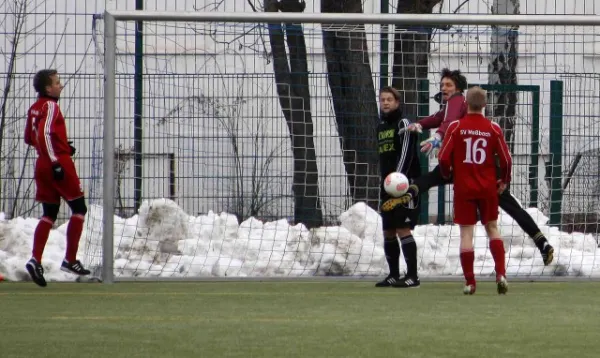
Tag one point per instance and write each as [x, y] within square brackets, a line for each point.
[48, 129]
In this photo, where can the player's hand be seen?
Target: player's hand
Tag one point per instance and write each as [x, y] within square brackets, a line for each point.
[431, 146]
[393, 203]
[57, 171]
[501, 186]
[415, 127]
[73, 149]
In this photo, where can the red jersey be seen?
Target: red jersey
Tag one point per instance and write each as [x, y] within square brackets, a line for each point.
[453, 110]
[469, 149]
[46, 130]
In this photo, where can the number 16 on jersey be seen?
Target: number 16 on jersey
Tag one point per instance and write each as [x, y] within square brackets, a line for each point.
[475, 150]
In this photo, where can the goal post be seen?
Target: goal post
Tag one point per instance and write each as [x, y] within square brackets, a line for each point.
[352, 248]
[108, 159]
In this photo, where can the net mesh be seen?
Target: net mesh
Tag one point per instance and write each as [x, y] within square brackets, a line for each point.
[219, 178]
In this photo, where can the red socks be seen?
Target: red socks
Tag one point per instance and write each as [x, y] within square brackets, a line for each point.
[40, 237]
[467, 260]
[74, 230]
[497, 250]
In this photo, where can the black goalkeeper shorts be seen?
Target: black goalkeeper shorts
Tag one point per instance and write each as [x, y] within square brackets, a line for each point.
[400, 218]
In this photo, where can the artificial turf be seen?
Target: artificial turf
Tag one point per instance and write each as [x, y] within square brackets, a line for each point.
[298, 319]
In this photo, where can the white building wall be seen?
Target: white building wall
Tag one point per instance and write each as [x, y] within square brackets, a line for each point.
[236, 87]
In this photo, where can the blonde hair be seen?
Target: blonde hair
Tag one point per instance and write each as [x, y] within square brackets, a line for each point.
[476, 99]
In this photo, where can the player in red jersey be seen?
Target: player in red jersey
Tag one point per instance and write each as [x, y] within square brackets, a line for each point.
[469, 153]
[55, 175]
[453, 107]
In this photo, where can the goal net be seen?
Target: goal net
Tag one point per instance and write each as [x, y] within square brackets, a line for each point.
[248, 148]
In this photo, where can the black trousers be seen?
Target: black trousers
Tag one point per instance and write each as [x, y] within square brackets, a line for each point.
[507, 202]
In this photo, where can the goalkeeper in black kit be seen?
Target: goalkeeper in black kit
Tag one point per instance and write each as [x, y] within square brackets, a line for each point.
[398, 152]
[452, 86]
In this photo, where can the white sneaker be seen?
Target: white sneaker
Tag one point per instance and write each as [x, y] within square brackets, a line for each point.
[502, 285]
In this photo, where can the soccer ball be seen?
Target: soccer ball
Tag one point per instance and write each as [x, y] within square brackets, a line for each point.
[396, 184]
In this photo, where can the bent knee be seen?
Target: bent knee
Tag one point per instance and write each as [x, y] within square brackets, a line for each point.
[50, 212]
[78, 206]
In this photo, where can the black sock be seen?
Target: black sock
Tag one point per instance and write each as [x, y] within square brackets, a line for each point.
[409, 249]
[539, 240]
[391, 248]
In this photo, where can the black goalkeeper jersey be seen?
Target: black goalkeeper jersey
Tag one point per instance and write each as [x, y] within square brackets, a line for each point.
[398, 152]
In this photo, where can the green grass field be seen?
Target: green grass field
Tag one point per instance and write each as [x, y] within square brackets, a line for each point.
[298, 319]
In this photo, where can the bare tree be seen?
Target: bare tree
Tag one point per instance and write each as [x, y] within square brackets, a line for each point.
[294, 97]
[16, 193]
[411, 54]
[502, 69]
[253, 187]
[354, 100]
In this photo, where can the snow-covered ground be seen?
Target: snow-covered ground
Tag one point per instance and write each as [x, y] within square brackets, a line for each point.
[165, 241]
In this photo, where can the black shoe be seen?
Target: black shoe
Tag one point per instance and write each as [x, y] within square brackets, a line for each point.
[407, 282]
[36, 271]
[387, 282]
[547, 252]
[74, 267]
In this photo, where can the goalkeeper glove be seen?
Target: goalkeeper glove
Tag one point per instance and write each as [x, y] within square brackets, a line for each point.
[392, 203]
[57, 171]
[73, 149]
[431, 146]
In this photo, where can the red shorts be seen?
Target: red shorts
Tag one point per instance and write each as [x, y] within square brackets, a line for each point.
[465, 210]
[49, 190]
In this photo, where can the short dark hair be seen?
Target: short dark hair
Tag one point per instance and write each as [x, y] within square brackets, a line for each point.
[43, 79]
[460, 81]
[392, 90]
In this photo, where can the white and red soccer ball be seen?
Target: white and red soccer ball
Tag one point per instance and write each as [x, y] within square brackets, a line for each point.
[396, 184]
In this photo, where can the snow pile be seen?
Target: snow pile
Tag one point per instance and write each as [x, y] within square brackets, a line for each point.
[162, 240]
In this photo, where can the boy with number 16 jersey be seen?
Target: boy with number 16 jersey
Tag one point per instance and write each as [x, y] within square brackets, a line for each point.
[469, 153]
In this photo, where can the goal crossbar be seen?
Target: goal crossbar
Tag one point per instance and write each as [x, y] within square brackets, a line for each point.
[353, 19]
[112, 17]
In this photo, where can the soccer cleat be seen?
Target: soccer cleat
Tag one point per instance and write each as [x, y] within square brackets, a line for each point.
[469, 289]
[387, 282]
[502, 285]
[547, 253]
[74, 267]
[407, 282]
[36, 271]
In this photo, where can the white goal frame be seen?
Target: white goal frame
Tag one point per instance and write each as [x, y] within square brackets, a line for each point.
[112, 17]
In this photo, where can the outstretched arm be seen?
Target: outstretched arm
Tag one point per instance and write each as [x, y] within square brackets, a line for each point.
[455, 110]
[406, 143]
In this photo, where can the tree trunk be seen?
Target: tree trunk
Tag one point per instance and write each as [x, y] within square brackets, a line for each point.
[411, 55]
[294, 98]
[354, 101]
[503, 69]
